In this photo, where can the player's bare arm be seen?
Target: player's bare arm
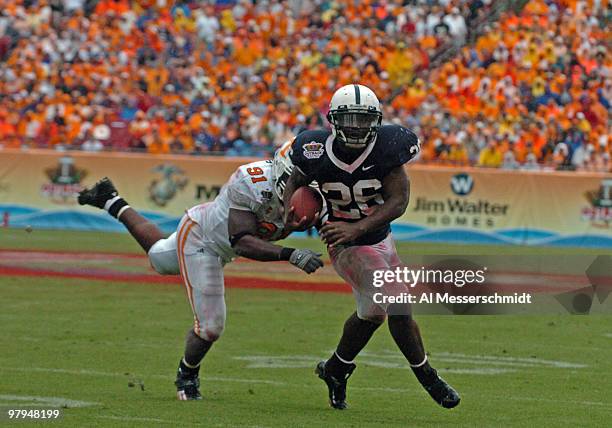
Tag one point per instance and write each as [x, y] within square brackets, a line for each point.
[242, 228]
[396, 194]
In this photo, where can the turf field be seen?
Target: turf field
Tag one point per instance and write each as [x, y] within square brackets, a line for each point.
[106, 347]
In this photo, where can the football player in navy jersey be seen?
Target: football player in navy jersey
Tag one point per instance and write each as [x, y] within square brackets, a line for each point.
[359, 168]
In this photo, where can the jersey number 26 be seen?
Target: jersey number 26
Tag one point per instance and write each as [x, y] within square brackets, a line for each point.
[341, 196]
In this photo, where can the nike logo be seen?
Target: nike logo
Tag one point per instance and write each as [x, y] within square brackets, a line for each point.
[365, 168]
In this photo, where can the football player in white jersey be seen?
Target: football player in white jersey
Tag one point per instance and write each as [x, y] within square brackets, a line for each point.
[243, 219]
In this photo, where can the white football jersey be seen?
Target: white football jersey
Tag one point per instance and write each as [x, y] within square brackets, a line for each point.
[250, 188]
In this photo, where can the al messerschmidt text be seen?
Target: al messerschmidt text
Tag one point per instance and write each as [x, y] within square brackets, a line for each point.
[496, 298]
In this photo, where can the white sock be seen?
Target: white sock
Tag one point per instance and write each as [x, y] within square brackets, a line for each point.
[422, 363]
[342, 359]
[189, 365]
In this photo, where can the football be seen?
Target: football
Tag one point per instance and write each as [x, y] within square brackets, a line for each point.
[307, 203]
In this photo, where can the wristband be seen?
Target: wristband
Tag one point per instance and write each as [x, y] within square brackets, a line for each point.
[285, 253]
[117, 207]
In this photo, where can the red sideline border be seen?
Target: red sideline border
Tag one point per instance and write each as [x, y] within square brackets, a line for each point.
[233, 282]
[106, 253]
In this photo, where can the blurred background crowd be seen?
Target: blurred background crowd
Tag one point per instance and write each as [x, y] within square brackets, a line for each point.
[529, 87]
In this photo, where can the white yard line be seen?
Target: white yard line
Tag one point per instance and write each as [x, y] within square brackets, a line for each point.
[241, 380]
[80, 372]
[488, 364]
[551, 400]
[46, 401]
[474, 371]
[168, 377]
[402, 391]
[174, 422]
[127, 343]
[166, 346]
[287, 357]
[484, 359]
[500, 343]
[533, 361]
[135, 419]
[285, 362]
[480, 371]
[83, 372]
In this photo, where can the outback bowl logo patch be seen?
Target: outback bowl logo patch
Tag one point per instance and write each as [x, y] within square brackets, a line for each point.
[313, 150]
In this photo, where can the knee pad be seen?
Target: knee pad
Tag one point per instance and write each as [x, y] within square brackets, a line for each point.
[211, 331]
[374, 318]
[164, 258]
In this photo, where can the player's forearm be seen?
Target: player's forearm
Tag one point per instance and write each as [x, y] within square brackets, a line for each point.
[251, 247]
[383, 214]
[396, 194]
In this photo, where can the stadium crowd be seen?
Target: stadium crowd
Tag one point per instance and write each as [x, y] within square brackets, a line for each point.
[239, 79]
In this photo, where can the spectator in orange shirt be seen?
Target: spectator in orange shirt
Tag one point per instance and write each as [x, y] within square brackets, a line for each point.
[154, 143]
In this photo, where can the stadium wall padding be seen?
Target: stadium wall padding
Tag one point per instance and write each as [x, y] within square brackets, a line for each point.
[468, 205]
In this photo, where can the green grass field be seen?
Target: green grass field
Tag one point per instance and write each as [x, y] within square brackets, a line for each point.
[112, 348]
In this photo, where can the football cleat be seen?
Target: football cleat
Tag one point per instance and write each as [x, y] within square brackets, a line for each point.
[336, 387]
[97, 196]
[442, 393]
[187, 384]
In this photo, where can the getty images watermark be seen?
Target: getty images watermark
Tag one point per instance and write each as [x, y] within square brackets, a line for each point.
[517, 284]
[416, 286]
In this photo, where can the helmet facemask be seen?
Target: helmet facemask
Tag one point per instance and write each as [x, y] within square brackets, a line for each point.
[355, 128]
[282, 167]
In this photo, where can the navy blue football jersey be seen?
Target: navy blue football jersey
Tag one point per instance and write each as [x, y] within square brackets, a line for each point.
[352, 190]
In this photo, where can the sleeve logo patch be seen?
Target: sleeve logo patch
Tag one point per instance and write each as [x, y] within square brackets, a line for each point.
[313, 150]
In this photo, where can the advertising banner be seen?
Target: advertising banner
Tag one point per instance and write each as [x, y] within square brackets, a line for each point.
[470, 205]
[496, 206]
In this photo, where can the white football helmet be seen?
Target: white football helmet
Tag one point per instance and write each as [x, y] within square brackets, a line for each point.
[354, 115]
[282, 167]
